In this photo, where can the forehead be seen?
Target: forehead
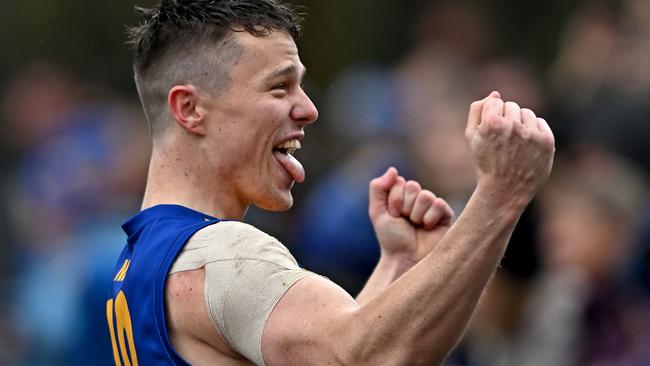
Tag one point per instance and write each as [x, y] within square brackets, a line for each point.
[264, 57]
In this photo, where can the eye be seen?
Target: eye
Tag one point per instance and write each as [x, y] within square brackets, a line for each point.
[281, 86]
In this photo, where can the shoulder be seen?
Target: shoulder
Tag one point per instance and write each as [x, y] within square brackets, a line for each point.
[232, 232]
[234, 240]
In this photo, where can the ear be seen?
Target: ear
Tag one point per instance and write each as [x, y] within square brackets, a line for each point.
[184, 105]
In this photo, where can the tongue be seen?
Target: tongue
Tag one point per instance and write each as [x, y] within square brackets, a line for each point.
[291, 165]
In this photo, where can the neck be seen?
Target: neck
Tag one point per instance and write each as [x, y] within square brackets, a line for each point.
[177, 178]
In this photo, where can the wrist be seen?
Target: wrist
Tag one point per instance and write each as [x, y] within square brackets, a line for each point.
[395, 263]
[498, 197]
[501, 194]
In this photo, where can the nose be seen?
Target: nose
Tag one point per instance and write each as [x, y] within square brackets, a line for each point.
[304, 110]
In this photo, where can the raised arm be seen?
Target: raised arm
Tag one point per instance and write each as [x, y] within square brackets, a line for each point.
[422, 315]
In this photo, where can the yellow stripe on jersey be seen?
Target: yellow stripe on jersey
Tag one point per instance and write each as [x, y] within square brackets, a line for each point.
[121, 274]
[128, 264]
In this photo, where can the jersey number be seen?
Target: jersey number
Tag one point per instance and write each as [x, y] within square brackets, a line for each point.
[124, 329]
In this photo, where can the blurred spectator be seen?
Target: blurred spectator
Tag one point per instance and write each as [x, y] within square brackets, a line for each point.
[601, 79]
[459, 28]
[74, 181]
[588, 308]
[35, 104]
[586, 54]
[514, 79]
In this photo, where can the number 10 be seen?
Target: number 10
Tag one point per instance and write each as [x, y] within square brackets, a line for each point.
[124, 328]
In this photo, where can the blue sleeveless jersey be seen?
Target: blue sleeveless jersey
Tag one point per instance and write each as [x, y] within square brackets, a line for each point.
[136, 312]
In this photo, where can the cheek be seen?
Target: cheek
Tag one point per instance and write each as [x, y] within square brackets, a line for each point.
[240, 138]
[262, 127]
[244, 133]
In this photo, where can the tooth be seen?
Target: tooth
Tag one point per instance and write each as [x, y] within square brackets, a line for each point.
[291, 144]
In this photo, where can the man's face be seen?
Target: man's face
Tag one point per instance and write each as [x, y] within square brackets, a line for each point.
[253, 125]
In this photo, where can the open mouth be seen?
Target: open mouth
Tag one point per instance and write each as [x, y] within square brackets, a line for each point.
[283, 153]
[288, 147]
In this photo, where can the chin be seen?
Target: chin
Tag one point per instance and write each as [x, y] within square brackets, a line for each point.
[277, 203]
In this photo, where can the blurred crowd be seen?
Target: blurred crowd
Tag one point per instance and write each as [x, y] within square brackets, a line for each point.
[572, 289]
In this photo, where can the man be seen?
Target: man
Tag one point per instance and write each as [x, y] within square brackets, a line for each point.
[220, 82]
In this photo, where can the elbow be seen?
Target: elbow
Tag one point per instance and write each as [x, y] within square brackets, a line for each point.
[353, 342]
[361, 343]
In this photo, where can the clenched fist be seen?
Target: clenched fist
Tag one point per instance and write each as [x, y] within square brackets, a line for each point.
[408, 220]
[512, 149]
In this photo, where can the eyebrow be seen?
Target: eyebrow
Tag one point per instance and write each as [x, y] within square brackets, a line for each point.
[288, 70]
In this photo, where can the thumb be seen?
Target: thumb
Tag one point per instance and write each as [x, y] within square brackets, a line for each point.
[378, 191]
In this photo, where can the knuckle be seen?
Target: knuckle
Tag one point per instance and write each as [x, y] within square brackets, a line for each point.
[546, 141]
[396, 203]
[440, 203]
[493, 120]
[496, 128]
[413, 186]
[427, 196]
[512, 104]
[495, 101]
[528, 113]
[549, 141]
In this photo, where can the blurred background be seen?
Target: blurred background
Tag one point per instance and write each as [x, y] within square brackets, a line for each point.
[393, 82]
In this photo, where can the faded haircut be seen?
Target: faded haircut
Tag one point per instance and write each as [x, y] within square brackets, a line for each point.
[191, 42]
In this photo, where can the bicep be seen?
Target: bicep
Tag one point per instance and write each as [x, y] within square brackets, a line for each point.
[308, 324]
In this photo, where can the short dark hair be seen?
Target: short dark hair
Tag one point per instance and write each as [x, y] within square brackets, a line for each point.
[189, 41]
